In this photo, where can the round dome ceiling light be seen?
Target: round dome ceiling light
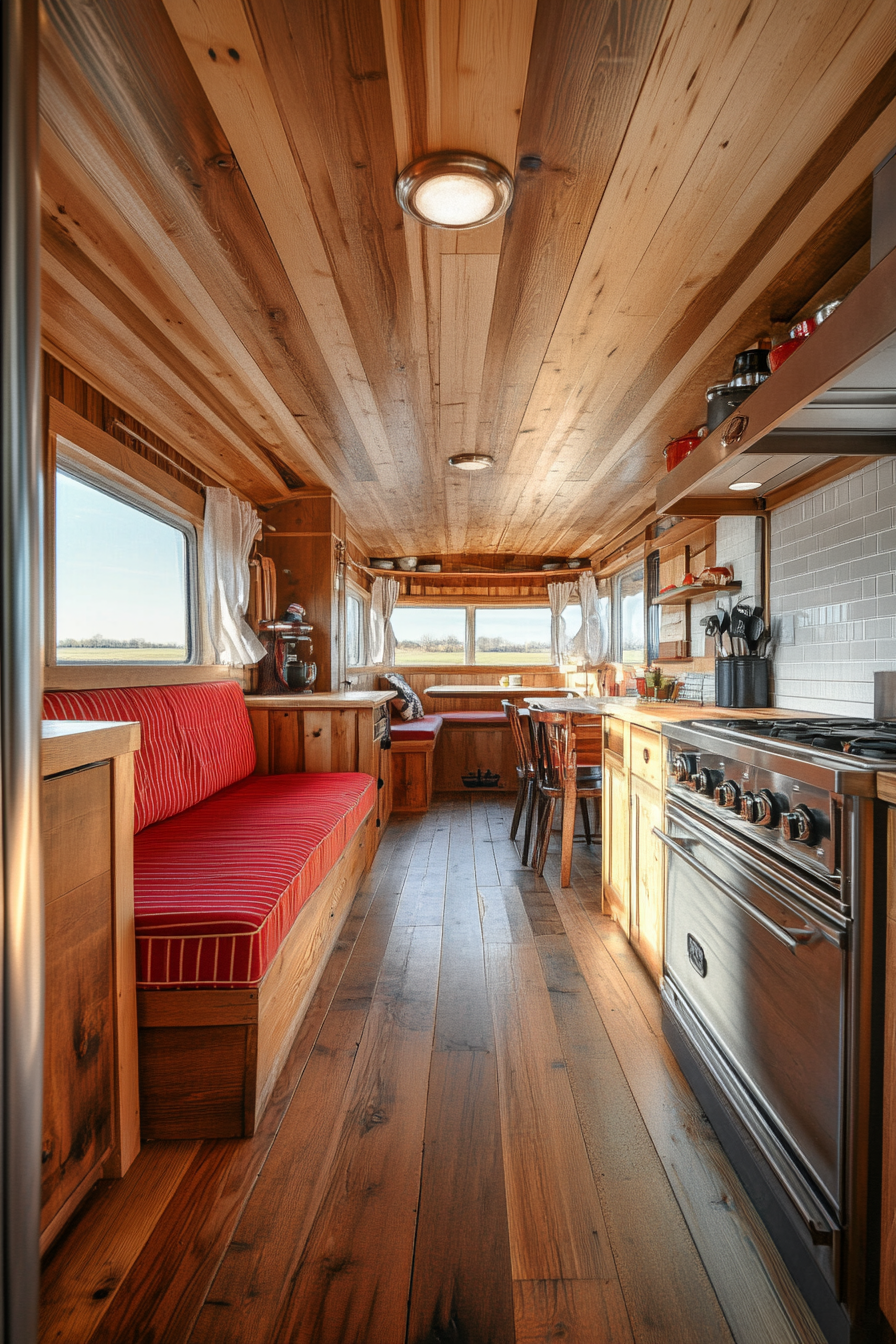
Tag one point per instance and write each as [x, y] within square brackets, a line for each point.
[453, 190]
[471, 461]
[746, 485]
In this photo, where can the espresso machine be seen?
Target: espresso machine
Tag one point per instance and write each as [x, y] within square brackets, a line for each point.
[287, 667]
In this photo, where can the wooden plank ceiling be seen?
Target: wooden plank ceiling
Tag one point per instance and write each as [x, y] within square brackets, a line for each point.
[223, 252]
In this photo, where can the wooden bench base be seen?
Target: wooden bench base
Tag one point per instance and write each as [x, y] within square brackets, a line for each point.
[465, 749]
[412, 775]
[209, 1058]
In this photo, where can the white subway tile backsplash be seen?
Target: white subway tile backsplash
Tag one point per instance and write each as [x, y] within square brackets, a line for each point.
[833, 593]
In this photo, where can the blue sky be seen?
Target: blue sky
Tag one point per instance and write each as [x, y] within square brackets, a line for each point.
[119, 571]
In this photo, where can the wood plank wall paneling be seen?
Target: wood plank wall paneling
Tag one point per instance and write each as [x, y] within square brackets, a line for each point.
[77, 394]
[654, 233]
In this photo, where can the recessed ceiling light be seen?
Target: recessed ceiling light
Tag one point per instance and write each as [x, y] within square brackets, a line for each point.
[454, 190]
[471, 461]
[746, 485]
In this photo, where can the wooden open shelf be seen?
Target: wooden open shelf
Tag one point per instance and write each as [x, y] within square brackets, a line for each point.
[475, 573]
[688, 591]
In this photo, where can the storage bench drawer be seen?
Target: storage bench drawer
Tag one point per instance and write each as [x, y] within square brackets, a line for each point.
[614, 736]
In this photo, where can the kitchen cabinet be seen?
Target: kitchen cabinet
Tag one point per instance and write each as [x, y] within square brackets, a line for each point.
[647, 886]
[616, 840]
[91, 1121]
[633, 860]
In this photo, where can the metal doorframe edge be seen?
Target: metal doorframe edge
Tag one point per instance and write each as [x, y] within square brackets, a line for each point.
[22, 1003]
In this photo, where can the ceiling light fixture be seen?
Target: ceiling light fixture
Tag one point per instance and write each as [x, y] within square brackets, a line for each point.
[471, 461]
[746, 485]
[454, 190]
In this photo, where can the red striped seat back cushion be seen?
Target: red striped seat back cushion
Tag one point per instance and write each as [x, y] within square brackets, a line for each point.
[194, 739]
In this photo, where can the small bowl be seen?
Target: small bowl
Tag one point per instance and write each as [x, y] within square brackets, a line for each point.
[574, 564]
[382, 564]
[552, 564]
[406, 562]
[798, 334]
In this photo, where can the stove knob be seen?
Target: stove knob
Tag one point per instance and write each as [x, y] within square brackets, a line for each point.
[799, 826]
[727, 794]
[707, 780]
[767, 809]
[684, 767]
[749, 807]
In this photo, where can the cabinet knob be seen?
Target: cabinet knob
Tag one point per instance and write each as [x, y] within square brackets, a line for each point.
[646, 754]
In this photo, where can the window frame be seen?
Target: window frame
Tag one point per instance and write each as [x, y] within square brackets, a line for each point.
[362, 597]
[78, 464]
[470, 609]
[616, 614]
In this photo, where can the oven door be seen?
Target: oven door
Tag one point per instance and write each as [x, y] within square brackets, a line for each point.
[764, 973]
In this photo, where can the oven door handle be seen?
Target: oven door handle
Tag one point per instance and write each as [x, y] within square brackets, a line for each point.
[791, 938]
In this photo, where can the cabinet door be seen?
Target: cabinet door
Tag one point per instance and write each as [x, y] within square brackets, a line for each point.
[616, 841]
[647, 875]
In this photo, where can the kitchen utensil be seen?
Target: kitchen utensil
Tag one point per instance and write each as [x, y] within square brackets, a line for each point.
[679, 449]
[738, 632]
[755, 630]
[750, 368]
[779, 353]
[714, 633]
[762, 645]
[723, 400]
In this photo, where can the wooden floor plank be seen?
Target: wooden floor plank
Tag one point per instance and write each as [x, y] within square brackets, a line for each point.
[169, 1281]
[249, 1291]
[557, 1229]
[461, 1287]
[572, 1310]
[346, 1288]
[668, 1295]
[754, 1288]
[88, 1269]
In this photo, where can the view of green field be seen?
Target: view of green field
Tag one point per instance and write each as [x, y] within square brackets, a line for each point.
[415, 657]
[93, 655]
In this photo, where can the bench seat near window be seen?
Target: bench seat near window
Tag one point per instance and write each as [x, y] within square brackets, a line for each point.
[416, 730]
[241, 885]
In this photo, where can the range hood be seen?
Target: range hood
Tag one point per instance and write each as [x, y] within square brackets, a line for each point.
[835, 397]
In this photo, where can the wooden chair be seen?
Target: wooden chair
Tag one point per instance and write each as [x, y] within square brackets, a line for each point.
[557, 776]
[527, 791]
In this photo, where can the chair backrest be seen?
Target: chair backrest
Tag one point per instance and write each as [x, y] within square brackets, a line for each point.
[555, 757]
[522, 738]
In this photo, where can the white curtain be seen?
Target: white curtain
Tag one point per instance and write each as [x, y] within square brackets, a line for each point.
[230, 527]
[591, 645]
[558, 597]
[381, 641]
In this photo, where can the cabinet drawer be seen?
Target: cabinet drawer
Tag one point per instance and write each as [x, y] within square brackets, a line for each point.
[614, 736]
[647, 755]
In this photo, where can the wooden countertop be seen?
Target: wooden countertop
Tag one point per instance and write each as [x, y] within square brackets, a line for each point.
[68, 744]
[886, 787]
[321, 700]
[654, 716]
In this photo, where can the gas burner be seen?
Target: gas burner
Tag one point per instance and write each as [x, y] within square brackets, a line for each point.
[868, 738]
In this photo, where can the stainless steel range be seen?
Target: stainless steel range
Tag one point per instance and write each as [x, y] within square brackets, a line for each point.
[773, 980]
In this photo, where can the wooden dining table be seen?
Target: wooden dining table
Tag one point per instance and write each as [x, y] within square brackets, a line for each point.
[585, 724]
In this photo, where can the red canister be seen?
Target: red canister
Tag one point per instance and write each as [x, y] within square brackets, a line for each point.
[678, 449]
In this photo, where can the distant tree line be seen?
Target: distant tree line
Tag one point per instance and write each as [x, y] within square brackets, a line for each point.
[106, 642]
[484, 644]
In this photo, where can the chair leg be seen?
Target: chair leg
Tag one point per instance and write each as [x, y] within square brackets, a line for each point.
[527, 834]
[586, 820]
[521, 792]
[547, 823]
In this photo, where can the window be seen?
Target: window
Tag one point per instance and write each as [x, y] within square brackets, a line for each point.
[468, 635]
[509, 635]
[628, 615]
[430, 634]
[355, 643]
[124, 578]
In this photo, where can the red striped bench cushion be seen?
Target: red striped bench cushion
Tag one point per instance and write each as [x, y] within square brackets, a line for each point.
[417, 730]
[194, 739]
[217, 888]
[476, 718]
